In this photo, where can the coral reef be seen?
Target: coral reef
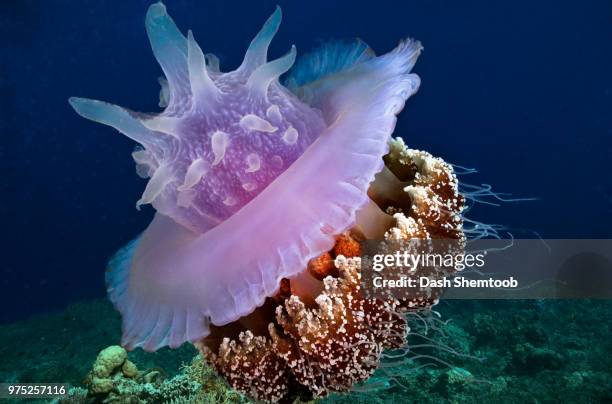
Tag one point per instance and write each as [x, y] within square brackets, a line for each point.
[503, 351]
[115, 379]
[61, 347]
[110, 365]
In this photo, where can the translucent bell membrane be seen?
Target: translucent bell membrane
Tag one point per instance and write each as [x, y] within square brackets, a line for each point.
[180, 283]
[249, 181]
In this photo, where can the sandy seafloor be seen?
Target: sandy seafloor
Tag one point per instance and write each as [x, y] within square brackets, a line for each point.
[530, 352]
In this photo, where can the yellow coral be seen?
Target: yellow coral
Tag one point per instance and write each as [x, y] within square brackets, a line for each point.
[108, 360]
[129, 369]
[100, 385]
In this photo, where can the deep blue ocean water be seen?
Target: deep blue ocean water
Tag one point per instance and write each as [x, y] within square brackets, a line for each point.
[521, 91]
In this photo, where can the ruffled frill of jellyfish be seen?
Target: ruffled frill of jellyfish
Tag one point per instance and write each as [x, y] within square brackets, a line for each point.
[251, 366]
[313, 347]
[337, 343]
[421, 192]
[323, 334]
[434, 210]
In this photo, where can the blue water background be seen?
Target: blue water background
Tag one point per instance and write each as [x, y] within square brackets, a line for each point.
[520, 90]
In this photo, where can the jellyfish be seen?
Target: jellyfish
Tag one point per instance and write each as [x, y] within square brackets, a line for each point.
[263, 189]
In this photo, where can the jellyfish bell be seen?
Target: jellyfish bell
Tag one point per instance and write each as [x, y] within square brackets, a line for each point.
[262, 195]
